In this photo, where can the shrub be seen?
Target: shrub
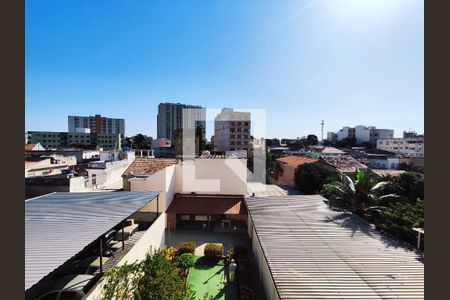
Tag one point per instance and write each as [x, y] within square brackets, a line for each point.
[186, 247]
[309, 178]
[155, 277]
[186, 260]
[243, 274]
[171, 252]
[240, 252]
[213, 251]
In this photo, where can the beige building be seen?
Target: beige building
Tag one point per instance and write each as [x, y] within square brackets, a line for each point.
[409, 147]
[284, 172]
[231, 130]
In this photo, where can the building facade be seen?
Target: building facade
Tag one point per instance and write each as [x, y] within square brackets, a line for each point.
[96, 124]
[362, 134]
[176, 116]
[409, 147]
[232, 131]
[51, 139]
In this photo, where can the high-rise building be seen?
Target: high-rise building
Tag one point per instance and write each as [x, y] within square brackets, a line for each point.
[96, 124]
[176, 116]
[231, 130]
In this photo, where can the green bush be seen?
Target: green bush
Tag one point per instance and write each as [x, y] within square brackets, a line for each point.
[186, 247]
[213, 251]
[243, 273]
[186, 260]
[309, 178]
[155, 277]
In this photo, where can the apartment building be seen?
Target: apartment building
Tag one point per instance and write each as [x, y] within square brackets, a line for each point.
[96, 124]
[51, 139]
[409, 147]
[362, 134]
[231, 130]
[176, 116]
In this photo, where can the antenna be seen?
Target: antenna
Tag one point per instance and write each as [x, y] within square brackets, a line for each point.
[322, 123]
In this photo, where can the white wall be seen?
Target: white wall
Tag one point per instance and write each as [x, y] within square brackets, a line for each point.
[389, 163]
[112, 173]
[77, 184]
[163, 181]
[362, 134]
[263, 269]
[218, 176]
[153, 238]
[343, 133]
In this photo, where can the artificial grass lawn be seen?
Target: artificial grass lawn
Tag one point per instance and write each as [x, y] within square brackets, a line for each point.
[209, 278]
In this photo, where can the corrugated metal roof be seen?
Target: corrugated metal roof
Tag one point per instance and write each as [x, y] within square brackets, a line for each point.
[316, 253]
[60, 225]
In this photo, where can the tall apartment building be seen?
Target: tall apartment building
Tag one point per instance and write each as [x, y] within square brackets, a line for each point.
[362, 134]
[51, 139]
[176, 116]
[232, 130]
[96, 124]
[409, 147]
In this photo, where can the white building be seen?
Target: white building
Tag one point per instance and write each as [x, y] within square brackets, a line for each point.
[232, 130]
[362, 134]
[215, 175]
[377, 161]
[410, 147]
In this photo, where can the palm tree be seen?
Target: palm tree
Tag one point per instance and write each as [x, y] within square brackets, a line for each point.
[358, 194]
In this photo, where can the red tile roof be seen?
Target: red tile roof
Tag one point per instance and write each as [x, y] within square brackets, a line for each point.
[207, 204]
[295, 161]
[148, 165]
[29, 147]
[344, 163]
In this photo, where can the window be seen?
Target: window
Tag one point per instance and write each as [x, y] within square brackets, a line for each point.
[201, 218]
[185, 217]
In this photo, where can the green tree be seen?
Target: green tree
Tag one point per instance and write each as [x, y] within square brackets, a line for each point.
[310, 178]
[312, 140]
[357, 194]
[409, 185]
[154, 278]
[140, 141]
[200, 136]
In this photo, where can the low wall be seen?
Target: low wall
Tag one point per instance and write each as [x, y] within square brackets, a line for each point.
[153, 238]
[264, 273]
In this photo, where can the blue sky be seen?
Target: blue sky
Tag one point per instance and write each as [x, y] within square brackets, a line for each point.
[347, 62]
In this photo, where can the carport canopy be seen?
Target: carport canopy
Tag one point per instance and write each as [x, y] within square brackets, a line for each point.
[60, 225]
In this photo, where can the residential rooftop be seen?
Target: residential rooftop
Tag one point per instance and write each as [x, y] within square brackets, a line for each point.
[344, 163]
[313, 252]
[148, 165]
[295, 161]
